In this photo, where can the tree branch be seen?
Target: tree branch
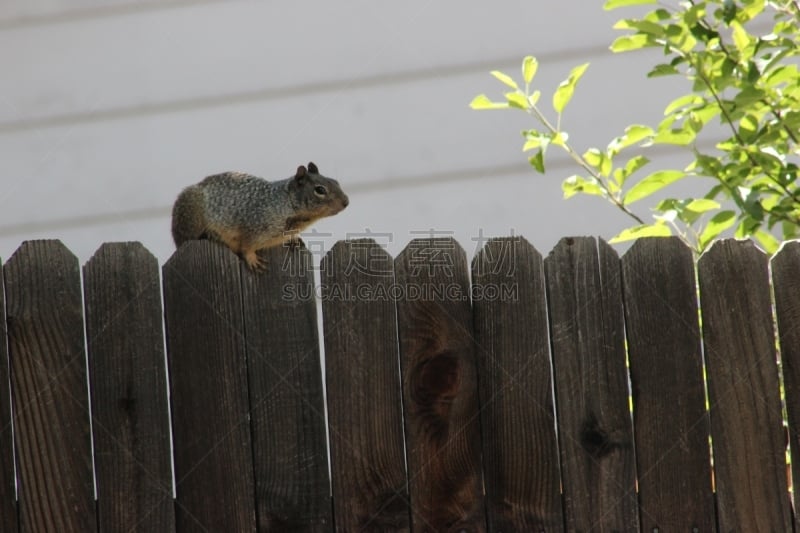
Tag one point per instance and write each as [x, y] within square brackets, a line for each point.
[583, 164]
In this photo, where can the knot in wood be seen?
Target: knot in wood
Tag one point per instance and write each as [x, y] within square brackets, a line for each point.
[594, 439]
[433, 383]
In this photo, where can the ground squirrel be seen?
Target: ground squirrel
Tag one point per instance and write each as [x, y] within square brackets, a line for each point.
[247, 213]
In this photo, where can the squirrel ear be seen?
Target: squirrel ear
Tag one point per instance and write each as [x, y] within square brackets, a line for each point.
[301, 171]
[312, 168]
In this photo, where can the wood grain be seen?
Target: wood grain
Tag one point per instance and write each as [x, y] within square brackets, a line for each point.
[286, 399]
[363, 387]
[520, 452]
[210, 411]
[746, 426]
[48, 384]
[125, 336]
[666, 362]
[584, 296]
[786, 287]
[8, 496]
[440, 389]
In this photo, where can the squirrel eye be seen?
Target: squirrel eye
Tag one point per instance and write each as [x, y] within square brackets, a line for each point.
[320, 190]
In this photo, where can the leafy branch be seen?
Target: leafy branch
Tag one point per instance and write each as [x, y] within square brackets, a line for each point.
[750, 83]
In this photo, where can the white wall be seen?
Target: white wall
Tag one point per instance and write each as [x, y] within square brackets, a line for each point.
[108, 109]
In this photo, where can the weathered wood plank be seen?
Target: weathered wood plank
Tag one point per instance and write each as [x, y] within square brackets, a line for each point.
[130, 412]
[440, 389]
[363, 387]
[595, 435]
[48, 383]
[8, 497]
[520, 453]
[786, 286]
[210, 412]
[666, 363]
[746, 425]
[286, 400]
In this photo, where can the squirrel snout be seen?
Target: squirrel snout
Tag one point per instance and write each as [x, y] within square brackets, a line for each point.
[345, 201]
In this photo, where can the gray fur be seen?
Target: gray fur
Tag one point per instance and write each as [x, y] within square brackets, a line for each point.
[255, 207]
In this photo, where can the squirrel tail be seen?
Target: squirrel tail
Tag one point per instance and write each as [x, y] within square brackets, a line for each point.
[188, 222]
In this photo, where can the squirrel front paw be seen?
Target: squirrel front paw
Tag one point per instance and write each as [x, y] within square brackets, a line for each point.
[256, 263]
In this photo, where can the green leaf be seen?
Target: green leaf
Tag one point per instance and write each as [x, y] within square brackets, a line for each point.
[749, 95]
[683, 101]
[652, 183]
[680, 137]
[534, 98]
[747, 226]
[686, 43]
[643, 26]
[767, 241]
[748, 202]
[645, 230]
[790, 230]
[729, 9]
[505, 78]
[626, 43]
[517, 99]
[657, 15]
[482, 102]
[700, 31]
[718, 223]
[705, 112]
[599, 160]
[688, 211]
[633, 134]
[662, 70]
[560, 138]
[636, 133]
[740, 37]
[634, 164]
[782, 74]
[614, 4]
[576, 184]
[529, 67]
[535, 139]
[537, 161]
[532, 144]
[566, 88]
[750, 10]
[668, 216]
[593, 157]
[702, 205]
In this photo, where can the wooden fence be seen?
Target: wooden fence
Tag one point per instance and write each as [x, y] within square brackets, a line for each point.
[501, 404]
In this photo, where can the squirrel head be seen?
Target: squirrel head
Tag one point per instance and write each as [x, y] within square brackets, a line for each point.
[314, 193]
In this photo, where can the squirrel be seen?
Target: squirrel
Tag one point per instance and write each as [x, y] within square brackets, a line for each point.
[247, 213]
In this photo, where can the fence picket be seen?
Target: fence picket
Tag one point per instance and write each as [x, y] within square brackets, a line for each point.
[595, 435]
[440, 389]
[518, 422]
[125, 341]
[786, 285]
[363, 388]
[286, 400]
[8, 497]
[669, 412]
[48, 384]
[210, 412]
[745, 408]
